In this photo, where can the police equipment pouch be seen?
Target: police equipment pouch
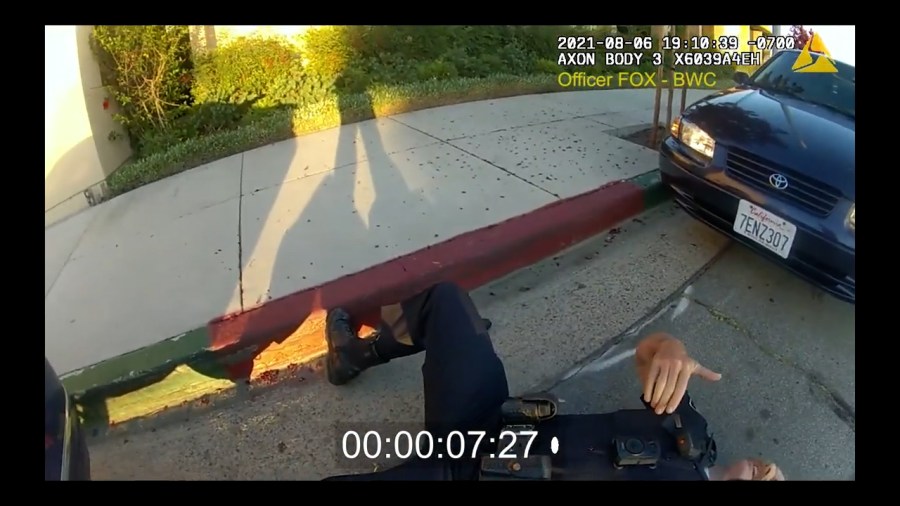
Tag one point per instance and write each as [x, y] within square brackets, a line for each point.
[691, 433]
[533, 467]
[634, 444]
[529, 409]
[631, 444]
[513, 458]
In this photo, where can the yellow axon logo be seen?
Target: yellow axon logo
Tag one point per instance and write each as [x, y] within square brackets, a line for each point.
[821, 63]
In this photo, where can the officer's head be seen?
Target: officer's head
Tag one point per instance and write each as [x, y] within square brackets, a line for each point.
[748, 470]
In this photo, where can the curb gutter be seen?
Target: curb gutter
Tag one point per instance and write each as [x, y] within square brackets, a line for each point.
[285, 336]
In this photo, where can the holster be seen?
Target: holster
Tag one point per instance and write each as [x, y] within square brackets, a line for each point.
[691, 432]
[519, 414]
[529, 409]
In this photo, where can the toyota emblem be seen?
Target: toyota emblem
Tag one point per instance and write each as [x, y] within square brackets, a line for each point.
[778, 181]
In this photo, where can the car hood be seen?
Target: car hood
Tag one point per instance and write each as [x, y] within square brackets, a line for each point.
[806, 138]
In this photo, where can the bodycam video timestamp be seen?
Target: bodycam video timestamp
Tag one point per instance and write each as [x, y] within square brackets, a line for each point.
[618, 50]
[360, 447]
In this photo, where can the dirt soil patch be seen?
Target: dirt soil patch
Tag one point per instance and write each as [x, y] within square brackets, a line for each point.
[642, 137]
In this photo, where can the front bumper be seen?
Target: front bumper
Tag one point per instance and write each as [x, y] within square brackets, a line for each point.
[814, 257]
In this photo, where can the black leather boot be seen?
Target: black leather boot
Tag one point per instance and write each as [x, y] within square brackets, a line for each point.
[348, 355]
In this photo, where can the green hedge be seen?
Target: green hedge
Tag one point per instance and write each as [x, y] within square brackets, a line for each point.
[148, 70]
[182, 112]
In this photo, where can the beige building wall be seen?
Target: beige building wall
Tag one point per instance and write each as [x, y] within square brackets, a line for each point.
[82, 142]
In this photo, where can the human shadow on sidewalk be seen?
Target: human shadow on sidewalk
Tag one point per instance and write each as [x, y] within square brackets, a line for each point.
[146, 368]
[346, 225]
[335, 233]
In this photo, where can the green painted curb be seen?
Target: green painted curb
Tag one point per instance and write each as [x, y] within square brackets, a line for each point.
[133, 365]
[655, 192]
[169, 374]
[124, 387]
[182, 369]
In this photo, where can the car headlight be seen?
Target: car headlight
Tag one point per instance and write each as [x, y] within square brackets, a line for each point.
[851, 217]
[675, 127]
[695, 138]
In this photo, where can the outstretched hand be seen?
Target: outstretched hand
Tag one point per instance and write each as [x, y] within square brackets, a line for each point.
[664, 369]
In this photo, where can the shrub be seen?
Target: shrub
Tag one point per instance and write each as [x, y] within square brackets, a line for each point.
[258, 90]
[297, 88]
[263, 126]
[542, 41]
[198, 121]
[244, 70]
[388, 68]
[487, 64]
[331, 50]
[516, 58]
[264, 72]
[409, 43]
[545, 66]
[147, 69]
[437, 69]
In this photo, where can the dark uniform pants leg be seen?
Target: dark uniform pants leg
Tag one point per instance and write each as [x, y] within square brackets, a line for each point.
[464, 380]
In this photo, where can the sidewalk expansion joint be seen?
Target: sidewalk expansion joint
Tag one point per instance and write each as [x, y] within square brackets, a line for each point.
[240, 258]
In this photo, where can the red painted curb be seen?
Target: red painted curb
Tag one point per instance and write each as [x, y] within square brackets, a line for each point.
[471, 260]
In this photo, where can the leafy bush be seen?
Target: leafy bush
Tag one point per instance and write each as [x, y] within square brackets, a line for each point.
[543, 41]
[264, 126]
[546, 66]
[198, 121]
[147, 69]
[437, 69]
[297, 88]
[331, 50]
[258, 90]
[410, 43]
[243, 70]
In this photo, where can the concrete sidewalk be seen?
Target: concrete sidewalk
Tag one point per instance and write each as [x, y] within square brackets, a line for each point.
[240, 232]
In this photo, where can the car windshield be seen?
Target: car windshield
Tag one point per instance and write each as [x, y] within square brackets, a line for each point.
[834, 90]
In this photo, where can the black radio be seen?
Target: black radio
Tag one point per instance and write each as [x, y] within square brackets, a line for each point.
[635, 451]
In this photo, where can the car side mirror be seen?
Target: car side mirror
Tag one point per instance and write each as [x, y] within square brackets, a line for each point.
[741, 78]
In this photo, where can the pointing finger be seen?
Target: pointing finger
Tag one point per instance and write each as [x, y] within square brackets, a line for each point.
[707, 374]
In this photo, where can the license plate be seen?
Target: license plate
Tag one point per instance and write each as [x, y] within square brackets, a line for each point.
[765, 228]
